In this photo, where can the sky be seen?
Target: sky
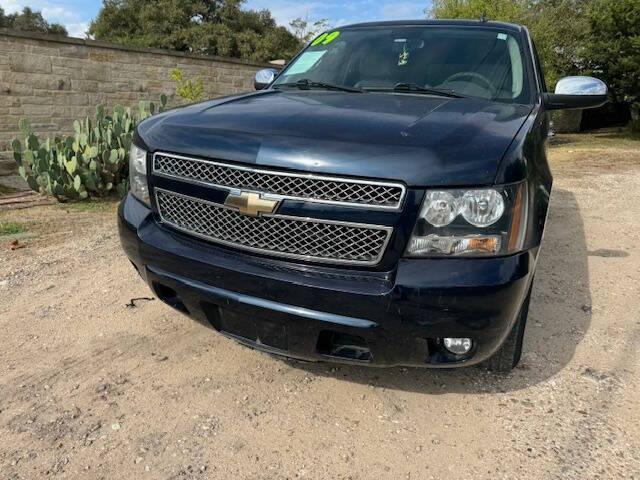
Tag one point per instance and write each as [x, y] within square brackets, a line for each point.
[75, 15]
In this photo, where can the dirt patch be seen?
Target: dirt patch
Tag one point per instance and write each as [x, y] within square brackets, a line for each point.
[92, 388]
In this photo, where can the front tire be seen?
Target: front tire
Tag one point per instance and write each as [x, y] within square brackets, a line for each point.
[508, 356]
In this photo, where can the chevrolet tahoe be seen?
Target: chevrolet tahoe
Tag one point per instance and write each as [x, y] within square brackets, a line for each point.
[380, 201]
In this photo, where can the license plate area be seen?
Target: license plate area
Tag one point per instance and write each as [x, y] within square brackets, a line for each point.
[255, 329]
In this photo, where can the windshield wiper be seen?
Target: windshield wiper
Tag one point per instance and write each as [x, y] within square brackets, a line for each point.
[306, 84]
[415, 88]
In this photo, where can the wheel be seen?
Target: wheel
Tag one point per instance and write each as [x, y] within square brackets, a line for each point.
[508, 356]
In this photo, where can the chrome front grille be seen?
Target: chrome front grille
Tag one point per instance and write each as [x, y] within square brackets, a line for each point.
[307, 187]
[302, 238]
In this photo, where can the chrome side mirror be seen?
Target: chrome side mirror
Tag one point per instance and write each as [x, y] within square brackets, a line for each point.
[264, 78]
[581, 86]
[577, 93]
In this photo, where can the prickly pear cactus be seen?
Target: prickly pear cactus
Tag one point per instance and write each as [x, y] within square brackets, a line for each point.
[93, 162]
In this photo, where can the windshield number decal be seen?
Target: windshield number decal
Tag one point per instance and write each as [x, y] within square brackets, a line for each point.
[326, 38]
[319, 40]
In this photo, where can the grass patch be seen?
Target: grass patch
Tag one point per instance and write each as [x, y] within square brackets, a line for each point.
[603, 148]
[11, 228]
[621, 138]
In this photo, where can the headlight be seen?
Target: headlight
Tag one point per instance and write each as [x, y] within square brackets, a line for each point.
[482, 207]
[473, 222]
[138, 174]
[440, 208]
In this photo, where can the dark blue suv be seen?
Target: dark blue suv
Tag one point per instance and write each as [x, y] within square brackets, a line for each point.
[380, 201]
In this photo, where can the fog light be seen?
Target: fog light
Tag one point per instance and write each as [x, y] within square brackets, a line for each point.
[459, 346]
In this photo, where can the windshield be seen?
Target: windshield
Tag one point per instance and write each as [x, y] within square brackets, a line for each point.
[468, 61]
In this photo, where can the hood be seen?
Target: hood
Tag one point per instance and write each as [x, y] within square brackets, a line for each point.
[418, 139]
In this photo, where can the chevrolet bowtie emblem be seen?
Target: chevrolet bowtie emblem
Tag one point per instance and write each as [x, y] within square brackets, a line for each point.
[250, 203]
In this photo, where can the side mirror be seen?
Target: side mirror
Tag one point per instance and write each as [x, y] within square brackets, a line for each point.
[574, 93]
[264, 78]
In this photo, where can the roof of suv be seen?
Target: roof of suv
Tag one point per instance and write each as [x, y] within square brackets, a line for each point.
[469, 23]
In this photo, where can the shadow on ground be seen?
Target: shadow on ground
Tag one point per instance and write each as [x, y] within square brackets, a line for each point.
[559, 318]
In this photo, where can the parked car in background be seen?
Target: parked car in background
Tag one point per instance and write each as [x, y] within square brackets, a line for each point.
[380, 201]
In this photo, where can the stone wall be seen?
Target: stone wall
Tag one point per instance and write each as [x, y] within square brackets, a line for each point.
[54, 80]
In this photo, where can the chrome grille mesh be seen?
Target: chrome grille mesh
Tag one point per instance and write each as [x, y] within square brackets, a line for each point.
[310, 239]
[306, 187]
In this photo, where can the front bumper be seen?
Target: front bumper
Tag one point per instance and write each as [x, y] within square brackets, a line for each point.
[331, 314]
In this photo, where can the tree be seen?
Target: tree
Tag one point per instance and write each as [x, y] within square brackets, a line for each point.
[613, 49]
[210, 27]
[304, 30]
[573, 37]
[505, 10]
[30, 21]
[559, 42]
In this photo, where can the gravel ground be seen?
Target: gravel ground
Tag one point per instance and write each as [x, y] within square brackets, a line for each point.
[91, 388]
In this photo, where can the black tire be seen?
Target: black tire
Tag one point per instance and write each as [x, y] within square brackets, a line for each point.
[508, 356]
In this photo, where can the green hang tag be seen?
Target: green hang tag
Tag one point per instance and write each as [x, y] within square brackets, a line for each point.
[403, 59]
[319, 40]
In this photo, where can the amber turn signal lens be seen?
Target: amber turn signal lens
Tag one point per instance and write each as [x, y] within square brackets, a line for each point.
[451, 245]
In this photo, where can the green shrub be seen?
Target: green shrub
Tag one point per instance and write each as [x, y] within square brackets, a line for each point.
[190, 90]
[93, 162]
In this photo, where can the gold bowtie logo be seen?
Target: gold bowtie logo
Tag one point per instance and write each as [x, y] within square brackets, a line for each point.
[251, 204]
